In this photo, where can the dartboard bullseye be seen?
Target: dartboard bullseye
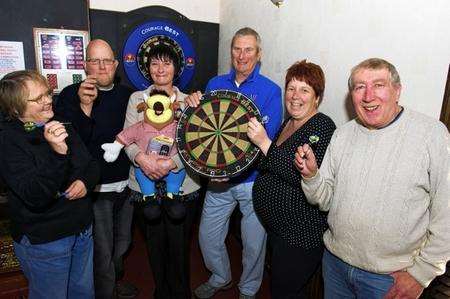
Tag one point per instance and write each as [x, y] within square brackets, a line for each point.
[212, 138]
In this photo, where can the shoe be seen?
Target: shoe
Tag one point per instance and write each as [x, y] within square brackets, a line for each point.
[175, 208]
[242, 296]
[206, 290]
[152, 209]
[126, 290]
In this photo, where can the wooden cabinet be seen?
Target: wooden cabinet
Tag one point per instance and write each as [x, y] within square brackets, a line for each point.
[13, 283]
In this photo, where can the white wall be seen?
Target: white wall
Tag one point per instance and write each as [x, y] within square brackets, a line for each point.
[198, 10]
[337, 34]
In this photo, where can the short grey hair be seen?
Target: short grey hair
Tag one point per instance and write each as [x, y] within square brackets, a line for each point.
[375, 64]
[245, 32]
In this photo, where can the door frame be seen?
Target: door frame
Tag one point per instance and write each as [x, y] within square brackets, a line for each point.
[445, 110]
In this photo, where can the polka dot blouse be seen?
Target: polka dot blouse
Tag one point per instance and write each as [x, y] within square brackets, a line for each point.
[278, 198]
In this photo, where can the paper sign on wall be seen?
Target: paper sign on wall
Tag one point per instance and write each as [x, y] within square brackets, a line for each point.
[11, 57]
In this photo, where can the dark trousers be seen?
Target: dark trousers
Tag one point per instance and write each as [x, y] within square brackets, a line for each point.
[113, 215]
[168, 246]
[292, 267]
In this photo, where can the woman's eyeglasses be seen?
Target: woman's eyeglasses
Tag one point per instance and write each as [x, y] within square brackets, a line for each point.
[41, 98]
[96, 61]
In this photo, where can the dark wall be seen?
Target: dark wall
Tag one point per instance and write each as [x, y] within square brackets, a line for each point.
[116, 26]
[18, 17]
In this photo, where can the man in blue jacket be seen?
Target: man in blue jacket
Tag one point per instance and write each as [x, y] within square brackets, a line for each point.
[222, 197]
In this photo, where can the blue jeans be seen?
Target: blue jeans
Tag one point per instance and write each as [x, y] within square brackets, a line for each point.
[220, 201]
[58, 269]
[345, 281]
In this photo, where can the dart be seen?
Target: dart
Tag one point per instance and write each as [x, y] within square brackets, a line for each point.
[30, 126]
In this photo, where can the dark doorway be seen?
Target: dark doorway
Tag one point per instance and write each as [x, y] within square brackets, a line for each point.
[445, 110]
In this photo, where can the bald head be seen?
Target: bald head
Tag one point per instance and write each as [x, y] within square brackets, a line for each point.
[99, 44]
[100, 62]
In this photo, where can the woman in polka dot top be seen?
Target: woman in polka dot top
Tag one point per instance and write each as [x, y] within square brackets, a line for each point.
[294, 227]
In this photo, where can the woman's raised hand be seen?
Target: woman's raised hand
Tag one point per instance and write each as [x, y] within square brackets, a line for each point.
[258, 135]
[55, 133]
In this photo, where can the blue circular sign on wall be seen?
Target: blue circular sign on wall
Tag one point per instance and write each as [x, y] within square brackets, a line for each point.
[143, 39]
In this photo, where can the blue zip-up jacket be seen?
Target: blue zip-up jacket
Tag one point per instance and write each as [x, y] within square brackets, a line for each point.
[265, 93]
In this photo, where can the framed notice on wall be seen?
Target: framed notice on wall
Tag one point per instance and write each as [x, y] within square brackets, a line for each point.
[11, 57]
[60, 55]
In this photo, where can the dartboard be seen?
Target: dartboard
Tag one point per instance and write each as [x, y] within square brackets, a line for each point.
[149, 44]
[144, 38]
[212, 137]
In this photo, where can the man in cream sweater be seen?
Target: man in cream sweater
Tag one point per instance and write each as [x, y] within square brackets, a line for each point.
[385, 182]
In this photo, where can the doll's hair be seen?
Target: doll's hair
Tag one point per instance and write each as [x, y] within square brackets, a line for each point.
[160, 92]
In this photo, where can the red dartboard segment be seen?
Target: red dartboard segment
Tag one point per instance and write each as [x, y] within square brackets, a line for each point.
[212, 138]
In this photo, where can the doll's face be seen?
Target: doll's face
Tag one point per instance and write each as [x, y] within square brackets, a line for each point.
[159, 111]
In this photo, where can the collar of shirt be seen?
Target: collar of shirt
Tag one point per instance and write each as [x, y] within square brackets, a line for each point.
[106, 88]
[250, 78]
[151, 129]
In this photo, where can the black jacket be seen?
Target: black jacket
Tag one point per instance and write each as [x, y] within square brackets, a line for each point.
[35, 175]
[106, 121]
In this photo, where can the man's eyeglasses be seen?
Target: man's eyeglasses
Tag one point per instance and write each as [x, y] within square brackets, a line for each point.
[96, 61]
[41, 98]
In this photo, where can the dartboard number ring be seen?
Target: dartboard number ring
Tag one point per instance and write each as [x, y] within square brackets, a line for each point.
[150, 44]
[212, 138]
[144, 38]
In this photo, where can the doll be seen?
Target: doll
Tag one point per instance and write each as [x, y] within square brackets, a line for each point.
[155, 134]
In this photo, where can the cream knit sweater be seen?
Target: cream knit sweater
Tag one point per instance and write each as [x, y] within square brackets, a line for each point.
[387, 193]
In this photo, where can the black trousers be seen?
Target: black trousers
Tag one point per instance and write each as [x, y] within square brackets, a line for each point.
[292, 268]
[168, 245]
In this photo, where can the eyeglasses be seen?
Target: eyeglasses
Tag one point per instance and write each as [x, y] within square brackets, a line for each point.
[40, 98]
[96, 61]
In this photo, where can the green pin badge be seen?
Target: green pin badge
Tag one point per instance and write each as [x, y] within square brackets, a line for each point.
[313, 139]
[29, 126]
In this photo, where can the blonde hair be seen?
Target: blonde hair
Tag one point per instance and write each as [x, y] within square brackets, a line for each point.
[14, 92]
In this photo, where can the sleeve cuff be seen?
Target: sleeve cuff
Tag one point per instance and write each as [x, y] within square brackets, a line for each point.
[311, 187]
[132, 151]
[177, 160]
[424, 273]
[312, 181]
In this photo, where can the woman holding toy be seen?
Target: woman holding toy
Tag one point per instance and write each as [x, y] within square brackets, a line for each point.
[167, 239]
